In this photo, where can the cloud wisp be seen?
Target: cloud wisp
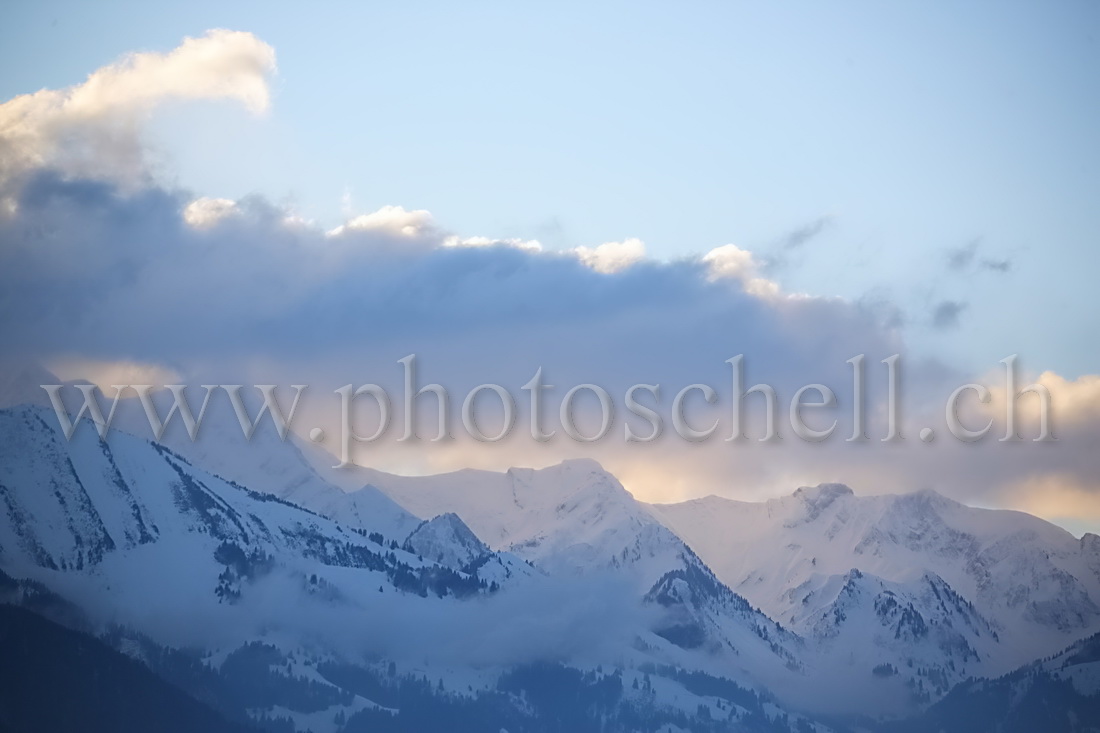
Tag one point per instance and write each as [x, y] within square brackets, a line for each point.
[946, 314]
[966, 259]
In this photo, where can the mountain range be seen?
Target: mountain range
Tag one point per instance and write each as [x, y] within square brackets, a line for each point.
[245, 577]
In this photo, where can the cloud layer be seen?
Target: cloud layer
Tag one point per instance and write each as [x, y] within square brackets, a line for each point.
[100, 266]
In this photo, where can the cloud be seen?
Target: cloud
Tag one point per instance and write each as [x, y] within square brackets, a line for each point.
[1074, 403]
[531, 245]
[108, 373]
[965, 258]
[960, 258]
[612, 257]
[946, 313]
[390, 220]
[730, 262]
[805, 233]
[105, 269]
[785, 252]
[248, 297]
[93, 129]
[205, 212]
[996, 265]
[1057, 496]
[1058, 480]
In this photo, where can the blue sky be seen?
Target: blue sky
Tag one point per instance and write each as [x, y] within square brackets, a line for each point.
[913, 130]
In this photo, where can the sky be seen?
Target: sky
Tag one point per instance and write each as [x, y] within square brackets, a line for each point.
[912, 129]
[859, 177]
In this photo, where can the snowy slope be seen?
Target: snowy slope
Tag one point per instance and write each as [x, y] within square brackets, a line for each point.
[1035, 584]
[575, 520]
[139, 538]
[1059, 693]
[267, 463]
[1079, 665]
[147, 529]
[263, 462]
[910, 641]
[569, 519]
[136, 537]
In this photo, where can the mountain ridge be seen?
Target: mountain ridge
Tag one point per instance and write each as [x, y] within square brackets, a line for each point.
[909, 594]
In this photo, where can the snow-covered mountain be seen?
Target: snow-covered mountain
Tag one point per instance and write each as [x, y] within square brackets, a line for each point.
[141, 518]
[909, 594]
[1058, 693]
[445, 539]
[818, 601]
[575, 520]
[141, 540]
[263, 461]
[911, 641]
[1034, 585]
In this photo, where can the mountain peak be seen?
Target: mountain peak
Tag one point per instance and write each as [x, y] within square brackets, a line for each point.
[447, 540]
[454, 524]
[571, 480]
[929, 494]
[823, 494]
[582, 464]
[923, 500]
[813, 500]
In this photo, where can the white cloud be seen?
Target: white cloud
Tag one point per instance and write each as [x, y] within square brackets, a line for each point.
[732, 262]
[92, 129]
[529, 245]
[612, 257]
[203, 213]
[392, 220]
[1073, 401]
